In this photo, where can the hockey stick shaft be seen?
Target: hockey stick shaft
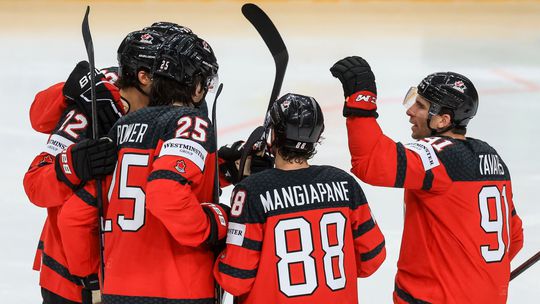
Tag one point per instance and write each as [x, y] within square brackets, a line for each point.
[87, 37]
[521, 268]
[271, 37]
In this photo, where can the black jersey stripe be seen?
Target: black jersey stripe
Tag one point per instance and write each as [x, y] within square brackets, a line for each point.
[86, 197]
[165, 174]
[364, 228]
[40, 245]
[236, 272]
[116, 299]
[373, 253]
[401, 169]
[60, 269]
[405, 296]
[252, 244]
[428, 180]
[514, 212]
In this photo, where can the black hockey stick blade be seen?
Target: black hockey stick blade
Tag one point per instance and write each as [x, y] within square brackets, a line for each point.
[521, 268]
[253, 138]
[87, 37]
[269, 33]
[214, 122]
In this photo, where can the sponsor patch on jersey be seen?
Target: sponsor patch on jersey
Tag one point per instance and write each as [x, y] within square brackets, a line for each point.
[235, 233]
[185, 148]
[426, 153]
[57, 144]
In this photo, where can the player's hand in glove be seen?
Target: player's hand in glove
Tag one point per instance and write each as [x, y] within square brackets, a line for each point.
[261, 162]
[86, 160]
[109, 105]
[218, 214]
[229, 156]
[359, 86]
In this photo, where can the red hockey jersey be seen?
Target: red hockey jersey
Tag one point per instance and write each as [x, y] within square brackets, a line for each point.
[461, 227]
[155, 228]
[300, 236]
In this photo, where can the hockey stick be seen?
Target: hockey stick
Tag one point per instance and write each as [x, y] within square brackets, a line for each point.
[269, 33]
[87, 37]
[521, 268]
[218, 289]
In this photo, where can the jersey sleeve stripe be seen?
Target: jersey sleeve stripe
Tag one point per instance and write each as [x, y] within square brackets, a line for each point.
[514, 212]
[165, 174]
[86, 197]
[237, 272]
[59, 269]
[252, 244]
[373, 253]
[401, 166]
[405, 296]
[40, 245]
[363, 228]
[428, 180]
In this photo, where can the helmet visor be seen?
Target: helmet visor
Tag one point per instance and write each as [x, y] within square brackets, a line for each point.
[212, 83]
[410, 97]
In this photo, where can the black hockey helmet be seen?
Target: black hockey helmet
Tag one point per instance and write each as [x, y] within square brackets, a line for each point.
[138, 51]
[168, 28]
[183, 57]
[297, 121]
[451, 91]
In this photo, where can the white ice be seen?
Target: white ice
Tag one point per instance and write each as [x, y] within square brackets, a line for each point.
[496, 44]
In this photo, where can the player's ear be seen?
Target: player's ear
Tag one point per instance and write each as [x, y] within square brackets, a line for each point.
[144, 78]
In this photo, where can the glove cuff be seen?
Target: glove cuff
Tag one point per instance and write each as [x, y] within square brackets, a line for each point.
[218, 216]
[359, 112]
[65, 170]
[361, 104]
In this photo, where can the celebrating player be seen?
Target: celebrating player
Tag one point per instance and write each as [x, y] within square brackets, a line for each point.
[298, 233]
[159, 226]
[461, 227]
[70, 158]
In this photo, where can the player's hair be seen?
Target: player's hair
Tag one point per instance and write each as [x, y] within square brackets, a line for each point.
[166, 91]
[294, 155]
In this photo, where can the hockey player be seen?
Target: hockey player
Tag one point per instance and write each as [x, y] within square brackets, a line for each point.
[70, 158]
[461, 228]
[298, 233]
[159, 224]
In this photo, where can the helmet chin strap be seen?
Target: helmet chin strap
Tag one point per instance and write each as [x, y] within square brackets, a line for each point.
[127, 102]
[138, 87]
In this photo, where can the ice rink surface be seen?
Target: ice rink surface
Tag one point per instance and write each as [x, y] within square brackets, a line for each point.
[496, 44]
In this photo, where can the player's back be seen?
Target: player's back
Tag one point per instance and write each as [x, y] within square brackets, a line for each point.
[144, 261]
[458, 241]
[312, 232]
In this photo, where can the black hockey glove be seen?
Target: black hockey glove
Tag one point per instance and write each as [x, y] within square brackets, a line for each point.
[218, 214]
[77, 89]
[261, 163]
[90, 290]
[230, 155]
[359, 87]
[86, 160]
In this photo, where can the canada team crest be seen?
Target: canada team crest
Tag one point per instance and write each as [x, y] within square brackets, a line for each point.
[147, 38]
[460, 86]
[180, 166]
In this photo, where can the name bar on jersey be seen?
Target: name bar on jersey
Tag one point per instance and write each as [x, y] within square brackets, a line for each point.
[300, 195]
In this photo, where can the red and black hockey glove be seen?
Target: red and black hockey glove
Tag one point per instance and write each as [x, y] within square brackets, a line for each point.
[109, 105]
[218, 214]
[359, 86]
[229, 156]
[86, 160]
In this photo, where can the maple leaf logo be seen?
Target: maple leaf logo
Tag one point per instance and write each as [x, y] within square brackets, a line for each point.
[180, 166]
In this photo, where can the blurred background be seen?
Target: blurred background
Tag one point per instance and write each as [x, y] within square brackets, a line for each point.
[495, 43]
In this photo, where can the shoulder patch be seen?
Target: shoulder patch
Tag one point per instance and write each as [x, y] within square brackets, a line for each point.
[426, 153]
[185, 148]
[57, 144]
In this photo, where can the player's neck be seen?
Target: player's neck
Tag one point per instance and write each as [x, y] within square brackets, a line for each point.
[289, 165]
[135, 98]
[453, 135]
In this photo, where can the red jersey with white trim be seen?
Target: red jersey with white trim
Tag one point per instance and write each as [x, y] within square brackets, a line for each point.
[300, 236]
[155, 228]
[45, 190]
[461, 227]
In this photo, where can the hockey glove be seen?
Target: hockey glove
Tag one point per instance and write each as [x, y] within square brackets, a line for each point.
[90, 290]
[218, 214]
[359, 86]
[261, 163]
[86, 160]
[109, 106]
[229, 156]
